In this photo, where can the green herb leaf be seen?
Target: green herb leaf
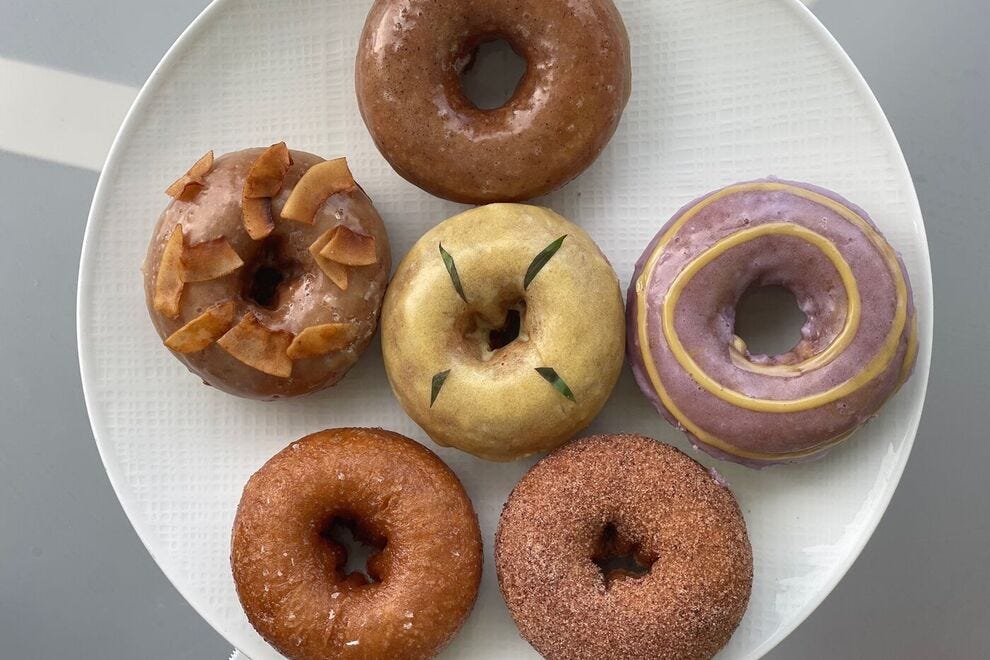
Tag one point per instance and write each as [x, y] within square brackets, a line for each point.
[550, 375]
[541, 260]
[438, 382]
[448, 261]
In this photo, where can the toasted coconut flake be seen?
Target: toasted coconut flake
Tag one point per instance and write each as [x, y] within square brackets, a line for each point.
[168, 280]
[257, 216]
[335, 271]
[350, 248]
[202, 167]
[315, 187]
[184, 188]
[189, 184]
[259, 347]
[265, 177]
[202, 330]
[209, 260]
[320, 339]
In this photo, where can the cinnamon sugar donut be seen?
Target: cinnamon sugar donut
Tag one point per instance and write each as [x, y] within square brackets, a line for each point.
[398, 497]
[689, 567]
[857, 347]
[266, 272]
[563, 111]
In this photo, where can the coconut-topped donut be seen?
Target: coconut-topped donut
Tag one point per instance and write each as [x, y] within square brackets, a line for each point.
[857, 346]
[266, 272]
[503, 331]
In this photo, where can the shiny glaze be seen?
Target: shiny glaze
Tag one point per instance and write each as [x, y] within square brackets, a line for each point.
[305, 299]
[857, 346]
[563, 112]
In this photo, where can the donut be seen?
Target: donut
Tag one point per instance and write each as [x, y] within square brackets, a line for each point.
[399, 498]
[563, 111]
[503, 331]
[265, 273]
[858, 343]
[623, 499]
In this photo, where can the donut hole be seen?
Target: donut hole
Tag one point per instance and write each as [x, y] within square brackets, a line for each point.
[619, 558]
[356, 548]
[489, 337]
[769, 320]
[268, 273]
[490, 72]
[508, 333]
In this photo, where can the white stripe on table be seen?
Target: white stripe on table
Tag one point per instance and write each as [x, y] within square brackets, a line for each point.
[62, 117]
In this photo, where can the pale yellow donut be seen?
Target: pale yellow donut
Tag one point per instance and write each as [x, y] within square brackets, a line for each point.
[495, 403]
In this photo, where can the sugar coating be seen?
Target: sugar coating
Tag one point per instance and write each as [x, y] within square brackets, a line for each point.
[666, 509]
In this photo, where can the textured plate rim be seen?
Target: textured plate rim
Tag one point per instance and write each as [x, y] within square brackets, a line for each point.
[214, 10]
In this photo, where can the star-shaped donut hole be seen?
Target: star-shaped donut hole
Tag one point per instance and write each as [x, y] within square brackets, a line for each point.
[356, 551]
[619, 558]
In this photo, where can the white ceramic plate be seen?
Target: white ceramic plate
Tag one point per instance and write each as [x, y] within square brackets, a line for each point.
[724, 90]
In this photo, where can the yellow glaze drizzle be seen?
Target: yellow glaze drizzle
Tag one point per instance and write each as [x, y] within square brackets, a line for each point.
[737, 352]
[833, 350]
[839, 344]
[880, 361]
[911, 353]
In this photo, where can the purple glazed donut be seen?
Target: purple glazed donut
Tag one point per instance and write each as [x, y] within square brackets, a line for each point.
[857, 347]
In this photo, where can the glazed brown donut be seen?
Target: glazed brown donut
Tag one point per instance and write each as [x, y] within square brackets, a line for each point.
[400, 498]
[605, 496]
[253, 302]
[563, 111]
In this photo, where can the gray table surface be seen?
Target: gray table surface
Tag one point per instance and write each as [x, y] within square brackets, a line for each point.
[75, 582]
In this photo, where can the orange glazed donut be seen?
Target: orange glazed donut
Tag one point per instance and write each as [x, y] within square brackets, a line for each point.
[563, 112]
[399, 498]
[686, 579]
[266, 272]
